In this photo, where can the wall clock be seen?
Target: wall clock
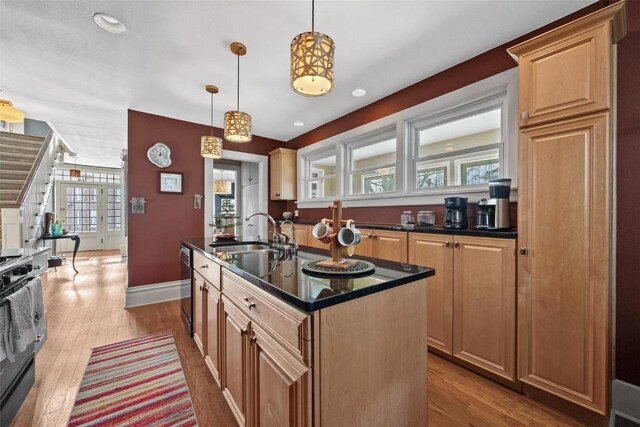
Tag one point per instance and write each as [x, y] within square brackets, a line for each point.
[160, 155]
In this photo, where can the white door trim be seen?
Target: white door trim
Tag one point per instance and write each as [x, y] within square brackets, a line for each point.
[263, 169]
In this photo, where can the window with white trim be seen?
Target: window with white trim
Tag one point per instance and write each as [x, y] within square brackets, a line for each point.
[465, 146]
[320, 178]
[372, 163]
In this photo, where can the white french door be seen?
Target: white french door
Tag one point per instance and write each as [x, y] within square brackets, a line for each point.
[94, 212]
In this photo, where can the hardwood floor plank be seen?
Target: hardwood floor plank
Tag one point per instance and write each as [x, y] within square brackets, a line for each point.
[87, 310]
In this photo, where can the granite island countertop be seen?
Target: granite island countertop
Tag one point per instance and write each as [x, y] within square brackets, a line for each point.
[285, 279]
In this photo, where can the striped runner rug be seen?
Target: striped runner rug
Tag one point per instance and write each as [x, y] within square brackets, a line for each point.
[137, 382]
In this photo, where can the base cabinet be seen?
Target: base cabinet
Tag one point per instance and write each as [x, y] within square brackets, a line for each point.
[279, 383]
[198, 312]
[265, 351]
[235, 375]
[471, 301]
[383, 244]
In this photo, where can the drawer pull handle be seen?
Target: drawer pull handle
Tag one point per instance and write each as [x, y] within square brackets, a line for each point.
[200, 288]
[204, 266]
[250, 304]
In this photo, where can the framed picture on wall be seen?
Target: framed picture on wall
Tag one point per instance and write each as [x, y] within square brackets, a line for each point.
[171, 182]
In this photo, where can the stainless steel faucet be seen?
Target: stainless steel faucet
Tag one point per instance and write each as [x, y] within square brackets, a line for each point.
[278, 238]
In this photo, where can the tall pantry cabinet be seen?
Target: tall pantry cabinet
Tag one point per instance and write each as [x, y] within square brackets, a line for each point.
[564, 208]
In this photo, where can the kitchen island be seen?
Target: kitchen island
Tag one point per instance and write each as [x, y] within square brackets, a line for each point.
[288, 348]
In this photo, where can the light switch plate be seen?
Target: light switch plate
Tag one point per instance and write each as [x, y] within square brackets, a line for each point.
[137, 205]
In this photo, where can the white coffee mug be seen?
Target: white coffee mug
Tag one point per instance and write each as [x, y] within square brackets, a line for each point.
[350, 235]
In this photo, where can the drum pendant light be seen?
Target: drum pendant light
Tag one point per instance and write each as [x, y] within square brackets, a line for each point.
[9, 113]
[312, 61]
[211, 146]
[237, 125]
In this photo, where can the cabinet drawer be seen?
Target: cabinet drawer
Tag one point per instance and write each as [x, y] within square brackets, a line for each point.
[209, 269]
[291, 326]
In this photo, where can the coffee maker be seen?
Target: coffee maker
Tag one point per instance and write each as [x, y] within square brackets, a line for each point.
[456, 217]
[486, 215]
[499, 190]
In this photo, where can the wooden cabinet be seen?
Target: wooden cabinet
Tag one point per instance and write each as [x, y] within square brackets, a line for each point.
[214, 307]
[265, 379]
[283, 177]
[564, 268]
[565, 78]
[302, 231]
[564, 273]
[383, 244]
[235, 345]
[198, 312]
[484, 304]
[471, 301]
[435, 251]
[280, 383]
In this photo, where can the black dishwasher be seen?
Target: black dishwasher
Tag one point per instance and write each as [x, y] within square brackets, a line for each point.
[186, 302]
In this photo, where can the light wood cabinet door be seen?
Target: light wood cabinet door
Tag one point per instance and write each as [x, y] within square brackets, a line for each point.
[283, 174]
[235, 347]
[484, 308]
[212, 359]
[302, 234]
[365, 247]
[563, 270]
[199, 312]
[435, 251]
[279, 384]
[390, 245]
[564, 76]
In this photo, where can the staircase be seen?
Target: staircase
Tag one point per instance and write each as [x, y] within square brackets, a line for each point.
[18, 153]
[27, 166]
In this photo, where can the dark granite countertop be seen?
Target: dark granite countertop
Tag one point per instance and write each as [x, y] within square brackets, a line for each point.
[437, 229]
[285, 279]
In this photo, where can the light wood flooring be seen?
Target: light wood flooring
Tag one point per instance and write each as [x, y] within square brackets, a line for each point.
[87, 310]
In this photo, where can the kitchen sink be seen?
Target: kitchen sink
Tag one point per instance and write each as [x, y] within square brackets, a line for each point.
[249, 247]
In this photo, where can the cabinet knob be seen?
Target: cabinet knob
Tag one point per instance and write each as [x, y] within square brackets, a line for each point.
[456, 244]
[253, 338]
[278, 194]
[200, 288]
[447, 243]
[524, 116]
[523, 251]
[204, 266]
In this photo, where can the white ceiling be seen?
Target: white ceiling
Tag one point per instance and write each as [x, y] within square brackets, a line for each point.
[58, 66]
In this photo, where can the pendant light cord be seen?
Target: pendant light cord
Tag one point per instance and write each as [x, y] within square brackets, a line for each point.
[313, 14]
[238, 93]
[212, 114]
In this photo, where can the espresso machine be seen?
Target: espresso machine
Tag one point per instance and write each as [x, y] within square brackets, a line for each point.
[499, 190]
[456, 217]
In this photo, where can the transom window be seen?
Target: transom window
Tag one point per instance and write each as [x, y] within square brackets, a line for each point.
[88, 176]
[461, 151]
[320, 178]
[372, 163]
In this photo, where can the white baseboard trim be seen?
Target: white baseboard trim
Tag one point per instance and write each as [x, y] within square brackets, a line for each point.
[154, 293]
[625, 400]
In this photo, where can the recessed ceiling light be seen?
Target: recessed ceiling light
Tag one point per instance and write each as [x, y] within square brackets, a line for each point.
[298, 124]
[449, 149]
[359, 92]
[109, 23]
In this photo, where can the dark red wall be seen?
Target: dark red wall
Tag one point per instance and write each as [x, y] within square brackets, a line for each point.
[628, 208]
[154, 238]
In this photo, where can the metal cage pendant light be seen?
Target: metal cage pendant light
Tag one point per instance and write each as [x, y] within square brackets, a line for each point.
[312, 61]
[237, 125]
[211, 146]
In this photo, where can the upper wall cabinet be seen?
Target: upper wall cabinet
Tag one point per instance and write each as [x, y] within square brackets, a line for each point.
[283, 174]
[565, 72]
